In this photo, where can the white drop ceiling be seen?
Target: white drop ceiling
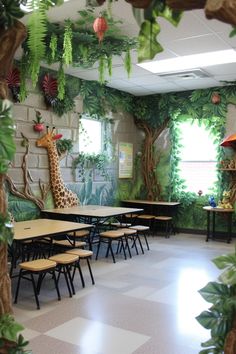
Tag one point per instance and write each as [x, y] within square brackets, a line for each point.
[195, 34]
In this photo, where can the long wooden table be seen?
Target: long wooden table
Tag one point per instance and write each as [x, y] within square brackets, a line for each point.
[96, 215]
[153, 207]
[90, 213]
[33, 230]
[39, 228]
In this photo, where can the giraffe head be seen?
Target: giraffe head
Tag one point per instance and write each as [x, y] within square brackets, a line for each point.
[48, 139]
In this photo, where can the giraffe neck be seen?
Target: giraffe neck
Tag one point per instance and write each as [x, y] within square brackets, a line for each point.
[54, 168]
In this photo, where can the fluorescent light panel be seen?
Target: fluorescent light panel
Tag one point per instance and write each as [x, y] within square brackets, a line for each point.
[190, 61]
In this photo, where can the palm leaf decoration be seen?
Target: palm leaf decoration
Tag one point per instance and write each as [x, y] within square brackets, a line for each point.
[37, 27]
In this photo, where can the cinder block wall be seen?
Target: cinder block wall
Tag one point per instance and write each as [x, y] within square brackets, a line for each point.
[123, 130]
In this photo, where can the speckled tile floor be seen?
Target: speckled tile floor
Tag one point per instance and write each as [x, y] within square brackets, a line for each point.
[143, 305]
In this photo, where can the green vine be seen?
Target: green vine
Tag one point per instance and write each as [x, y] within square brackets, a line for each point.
[67, 44]
[7, 130]
[64, 145]
[61, 83]
[127, 62]
[87, 162]
[53, 46]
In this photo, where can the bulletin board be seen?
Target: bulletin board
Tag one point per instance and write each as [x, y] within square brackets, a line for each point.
[125, 160]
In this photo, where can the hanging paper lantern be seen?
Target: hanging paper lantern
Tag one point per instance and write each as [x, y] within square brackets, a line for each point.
[100, 27]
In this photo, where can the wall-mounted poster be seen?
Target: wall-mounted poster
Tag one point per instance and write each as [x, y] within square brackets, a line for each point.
[125, 160]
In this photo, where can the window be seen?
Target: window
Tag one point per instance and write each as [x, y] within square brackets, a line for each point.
[198, 157]
[90, 136]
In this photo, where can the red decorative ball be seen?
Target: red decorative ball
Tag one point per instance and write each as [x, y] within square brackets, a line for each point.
[38, 127]
[215, 98]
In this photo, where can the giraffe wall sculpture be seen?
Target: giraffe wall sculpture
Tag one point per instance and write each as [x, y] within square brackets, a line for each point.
[62, 196]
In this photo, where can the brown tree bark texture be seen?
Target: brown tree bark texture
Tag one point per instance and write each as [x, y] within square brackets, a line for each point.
[183, 5]
[140, 4]
[149, 161]
[10, 40]
[5, 283]
[222, 10]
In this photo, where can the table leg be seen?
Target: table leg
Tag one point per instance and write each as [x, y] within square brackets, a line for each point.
[208, 226]
[213, 224]
[229, 227]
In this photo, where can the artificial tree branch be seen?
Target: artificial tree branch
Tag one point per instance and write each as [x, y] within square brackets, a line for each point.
[27, 191]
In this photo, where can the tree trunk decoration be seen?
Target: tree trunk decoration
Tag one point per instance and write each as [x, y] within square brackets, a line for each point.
[5, 283]
[10, 40]
[230, 341]
[184, 5]
[222, 10]
[149, 159]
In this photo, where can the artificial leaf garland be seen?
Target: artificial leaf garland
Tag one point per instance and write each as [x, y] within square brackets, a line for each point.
[67, 45]
[127, 62]
[109, 65]
[101, 69]
[53, 45]
[36, 38]
[61, 83]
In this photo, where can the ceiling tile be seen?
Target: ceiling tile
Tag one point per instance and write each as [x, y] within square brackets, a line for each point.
[195, 45]
[194, 34]
[221, 69]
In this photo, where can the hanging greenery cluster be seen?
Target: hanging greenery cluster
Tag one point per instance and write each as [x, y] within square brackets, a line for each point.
[73, 43]
[87, 162]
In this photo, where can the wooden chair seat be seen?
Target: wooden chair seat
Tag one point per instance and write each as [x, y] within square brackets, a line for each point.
[64, 258]
[68, 243]
[128, 231]
[64, 262]
[140, 227]
[80, 252]
[142, 230]
[38, 265]
[146, 217]
[167, 221]
[83, 254]
[163, 218]
[120, 224]
[112, 234]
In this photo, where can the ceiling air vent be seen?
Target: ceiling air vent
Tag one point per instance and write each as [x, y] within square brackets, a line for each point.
[185, 75]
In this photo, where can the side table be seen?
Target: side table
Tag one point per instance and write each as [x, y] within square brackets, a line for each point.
[211, 213]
